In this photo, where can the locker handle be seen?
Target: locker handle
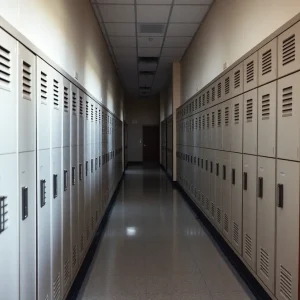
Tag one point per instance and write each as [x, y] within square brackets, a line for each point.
[65, 180]
[92, 166]
[206, 165]
[233, 176]
[245, 181]
[202, 163]
[55, 185]
[96, 163]
[280, 195]
[211, 167]
[2, 213]
[80, 172]
[260, 187]
[224, 172]
[43, 192]
[24, 203]
[99, 161]
[86, 168]
[217, 169]
[73, 175]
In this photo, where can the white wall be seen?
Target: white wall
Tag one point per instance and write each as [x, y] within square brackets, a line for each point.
[231, 29]
[68, 33]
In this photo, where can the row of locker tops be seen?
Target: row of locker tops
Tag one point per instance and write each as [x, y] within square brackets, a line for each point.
[276, 59]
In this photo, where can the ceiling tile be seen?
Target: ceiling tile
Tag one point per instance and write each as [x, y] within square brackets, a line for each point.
[154, 1]
[120, 29]
[193, 2]
[150, 41]
[124, 51]
[146, 80]
[147, 66]
[123, 41]
[188, 13]
[176, 53]
[148, 52]
[182, 29]
[153, 13]
[166, 60]
[117, 13]
[114, 1]
[177, 41]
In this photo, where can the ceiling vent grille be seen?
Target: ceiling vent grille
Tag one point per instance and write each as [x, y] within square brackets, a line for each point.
[152, 28]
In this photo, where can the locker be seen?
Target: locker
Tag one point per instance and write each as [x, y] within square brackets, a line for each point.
[8, 93]
[213, 92]
[289, 51]
[74, 116]
[219, 131]
[87, 122]
[212, 186]
[226, 126]
[237, 200]
[251, 72]
[219, 91]
[9, 227]
[87, 193]
[81, 203]
[204, 131]
[250, 122]
[81, 119]
[287, 236]
[267, 62]
[288, 103]
[208, 129]
[236, 144]
[267, 120]
[218, 187]
[206, 188]
[227, 84]
[198, 177]
[194, 174]
[203, 101]
[92, 189]
[213, 127]
[27, 100]
[266, 170]
[249, 209]
[226, 194]
[208, 97]
[237, 83]
[27, 215]
[66, 113]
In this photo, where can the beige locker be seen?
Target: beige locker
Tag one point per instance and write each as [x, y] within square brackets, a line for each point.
[219, 91]
[226, 126]
[207, 128]
[267, 63]
[236, 136]
[213, 127]
[237, 82]
[266, 170]
[203, 128]
[251, 72]
[208, 97]
[212, 186]
[249, 209]
[218, 188]
[203, 100]
[227, 85]
[289, 51]
[213, 91]
[219, 132]
[250, 122]
[226, 195]
[287, 236]
[267, 120]
[288, 112]
[237, 200]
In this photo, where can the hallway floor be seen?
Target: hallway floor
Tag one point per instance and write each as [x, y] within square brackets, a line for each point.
[154, 248]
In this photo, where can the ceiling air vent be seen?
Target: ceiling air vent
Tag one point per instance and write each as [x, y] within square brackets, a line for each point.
[148, 60]
[152, 28]
[147, 73]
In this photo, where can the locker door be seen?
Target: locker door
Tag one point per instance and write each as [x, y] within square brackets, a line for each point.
[92, 188]
[74, 116]
[198, 177]
[219, 91]
[249, 209]
[81, 121]
[237, 124]
[212, 186]
[266, 221]
[287, 239]
[207, 182]
[213, 127]
[237, 83]
[87, 193]
[226, 194]
[288, 138]
[267, 120]
[208, 129]
[226, 128]
[8, 93]
[213, 94]
[219, 133]
[81, 202]
[251, 72]
[27, 215]
[203, 179]
[218, 184]
[236, 200]
[9, 227]
[250, 122]
[66, 112]
[203, 129]
[228, 85]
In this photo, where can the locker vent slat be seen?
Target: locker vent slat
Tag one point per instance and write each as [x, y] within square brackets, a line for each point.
[66, 99]
[56, 288]
[207, 121]
[236, 113]
[203, 122]
[74, 104]
[265, 107]
[200, 103]
[248, 246]
[236, 233]
[87, 110]
[264, 262]
[88, 233]
[219, 215]
[67, 272]
[237, 79]
[227, 85]
[44, 88]
[203, 99]
[196, 124]
[202, 200]
[193, 106]
[226, 116]
[74, 256]
[219, 90]
[267, 62]
[219, 118]
[207, 203]
[287, 101]
[81, 243]
[92, 112]
[96, 114]
[249, 110]
[213, 119]
[285, 283]
[250, 71]
[26, 81]
[226, 223]
[213, 210]
[196, 104]
[213, 94]
[3, 213]
[55, 94]
[207, 97]
[288, 50]
[5, 67]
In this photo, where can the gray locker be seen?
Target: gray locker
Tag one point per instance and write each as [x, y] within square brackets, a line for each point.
[198, 176]
[92, 188]
[213, 127]
[250, 122]
[289, 51]
[249, 209]
[267, 62]
[67, 95]
[266, 171]
[267, 120]
[237, 82]
[219, 91]
[212, 185]
[213, 93]
[226, 126]
[207, 128]
[208, 97]
[9, 227]
[218, 188]
[81, 118]
[87, 193]
[203, 179]
[236, 200]
[227, 85]
[287, 236]
[251, 72]
[236, 136]
[219, 131]
[206, 157]
[27, 215]
[74, 116]
[8, 93]
[288, 138]
[226, 195]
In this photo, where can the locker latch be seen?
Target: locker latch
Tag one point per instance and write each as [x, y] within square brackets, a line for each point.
[96, 163]
[86, 168]
[280, 195]
[43, 192]
[24, 203]
[260, 187]
[233, 176]
[65, 180]
[55, 185]
[3, 213]
[245, 181]
[224, 172]
[80, 172]
[92, 165]
[73, 175]
[217, 169]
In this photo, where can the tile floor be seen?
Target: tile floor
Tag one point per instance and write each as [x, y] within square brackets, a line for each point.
[155, 249]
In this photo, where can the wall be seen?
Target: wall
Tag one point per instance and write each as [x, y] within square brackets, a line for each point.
[231, 29]
[139, 112]
[67, 32]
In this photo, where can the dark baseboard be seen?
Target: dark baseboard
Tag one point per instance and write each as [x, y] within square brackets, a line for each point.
[76, 286]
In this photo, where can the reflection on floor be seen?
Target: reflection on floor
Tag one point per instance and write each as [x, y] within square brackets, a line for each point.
[154, 248]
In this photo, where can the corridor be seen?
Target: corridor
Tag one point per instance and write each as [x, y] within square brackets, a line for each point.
[155, 248]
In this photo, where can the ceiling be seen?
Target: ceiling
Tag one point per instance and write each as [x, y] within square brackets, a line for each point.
[144, 37]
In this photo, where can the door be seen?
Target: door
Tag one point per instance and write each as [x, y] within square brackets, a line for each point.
[151, 144]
